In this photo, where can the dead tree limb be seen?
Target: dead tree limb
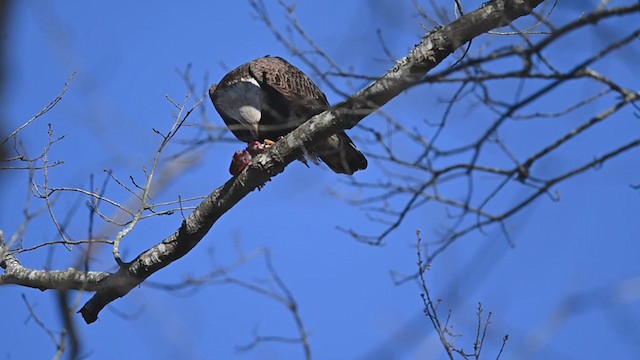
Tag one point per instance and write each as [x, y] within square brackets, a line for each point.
[409, 71]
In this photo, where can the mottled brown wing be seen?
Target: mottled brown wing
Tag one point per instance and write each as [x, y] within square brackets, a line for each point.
[304, 97]
[291, 83]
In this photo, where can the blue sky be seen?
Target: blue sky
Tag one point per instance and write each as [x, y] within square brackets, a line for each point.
[126, 55]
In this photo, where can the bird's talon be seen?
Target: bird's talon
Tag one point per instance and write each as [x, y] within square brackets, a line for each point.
[268, 143]
[255, 147]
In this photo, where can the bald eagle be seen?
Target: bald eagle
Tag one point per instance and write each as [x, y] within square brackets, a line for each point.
[267, 98]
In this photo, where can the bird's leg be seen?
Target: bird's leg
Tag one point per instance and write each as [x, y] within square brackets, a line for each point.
[255, 147]
[269, 143]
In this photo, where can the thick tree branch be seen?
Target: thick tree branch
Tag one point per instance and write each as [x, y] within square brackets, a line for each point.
[15, 273]
[409, 71]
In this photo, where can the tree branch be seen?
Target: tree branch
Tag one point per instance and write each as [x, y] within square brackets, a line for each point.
[409, 71]
[15, 273]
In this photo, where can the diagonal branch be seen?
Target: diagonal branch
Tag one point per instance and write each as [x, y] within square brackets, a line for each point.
[433, 48]
[409, 71]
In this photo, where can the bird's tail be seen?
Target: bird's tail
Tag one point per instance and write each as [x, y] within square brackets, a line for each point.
[340, 154]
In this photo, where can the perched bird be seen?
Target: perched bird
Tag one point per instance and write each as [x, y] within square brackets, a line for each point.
[267, 98]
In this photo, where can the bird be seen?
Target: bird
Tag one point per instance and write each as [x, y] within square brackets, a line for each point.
[267, 98]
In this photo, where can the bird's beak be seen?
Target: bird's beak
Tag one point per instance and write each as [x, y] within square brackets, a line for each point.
[254, 130]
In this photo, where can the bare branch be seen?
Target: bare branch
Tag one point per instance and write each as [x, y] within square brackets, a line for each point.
[58, 342]
[46, 109]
